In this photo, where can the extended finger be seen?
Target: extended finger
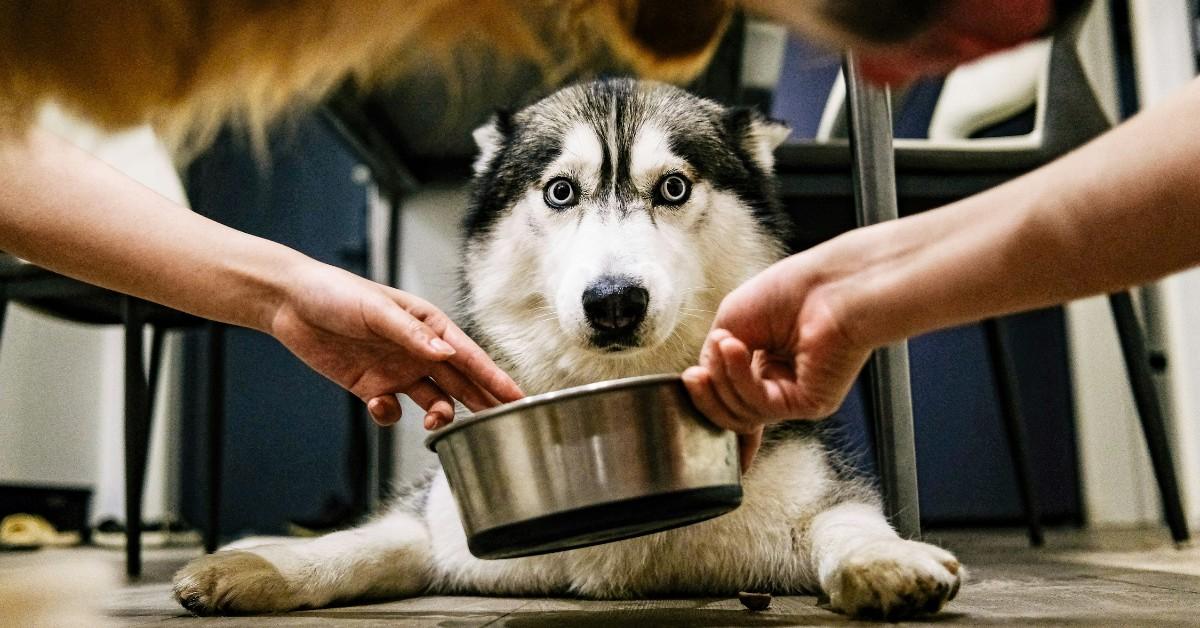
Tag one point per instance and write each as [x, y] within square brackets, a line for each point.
[473, 396]
[475, 364]
[439, 409]
[390, 320]
[384, 410]
[471, 360]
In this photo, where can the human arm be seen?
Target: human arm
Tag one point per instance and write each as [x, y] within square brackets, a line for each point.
[1122, 210]
[67, 211]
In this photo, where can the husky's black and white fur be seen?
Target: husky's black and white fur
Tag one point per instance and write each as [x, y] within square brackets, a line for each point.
[607, 222]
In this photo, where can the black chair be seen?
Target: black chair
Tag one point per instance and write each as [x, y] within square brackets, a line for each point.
[72, 300]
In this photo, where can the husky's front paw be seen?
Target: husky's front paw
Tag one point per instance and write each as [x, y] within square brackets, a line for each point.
[894, 579]
[233, 582]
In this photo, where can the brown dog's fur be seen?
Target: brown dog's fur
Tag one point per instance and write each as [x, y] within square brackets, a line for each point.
[189, 65]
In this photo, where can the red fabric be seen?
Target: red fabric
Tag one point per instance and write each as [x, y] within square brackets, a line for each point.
[970, 29]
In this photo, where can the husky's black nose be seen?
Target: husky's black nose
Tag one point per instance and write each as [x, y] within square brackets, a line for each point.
[614, 307]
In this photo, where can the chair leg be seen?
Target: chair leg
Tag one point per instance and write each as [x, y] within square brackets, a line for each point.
[358, 456]
[1149, 407]
[137, 435]
[1004, 376]
[874, 174]
[385, 439]
[216, 432]
[3, 311]
[895, 450]
[157, 337]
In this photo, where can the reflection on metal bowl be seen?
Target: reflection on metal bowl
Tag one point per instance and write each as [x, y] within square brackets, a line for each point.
[587, 465]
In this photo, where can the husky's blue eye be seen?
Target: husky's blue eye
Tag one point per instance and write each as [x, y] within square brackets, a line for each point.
[673, 189]
[560, 193]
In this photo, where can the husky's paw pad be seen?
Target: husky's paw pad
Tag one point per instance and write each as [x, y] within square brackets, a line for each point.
[231, 582]
[894, 580]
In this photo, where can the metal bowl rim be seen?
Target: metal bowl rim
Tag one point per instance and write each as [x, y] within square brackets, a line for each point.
[553, 396]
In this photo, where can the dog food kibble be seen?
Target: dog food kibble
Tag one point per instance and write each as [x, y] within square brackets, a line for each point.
[755, 601]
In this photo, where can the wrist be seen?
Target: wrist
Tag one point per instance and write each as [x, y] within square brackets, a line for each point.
[948, 266]
[268, 276]
[858, 271]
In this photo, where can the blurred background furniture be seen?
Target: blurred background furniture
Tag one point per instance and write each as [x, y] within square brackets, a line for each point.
[296, 444]
[68, 299]
[1051, 90]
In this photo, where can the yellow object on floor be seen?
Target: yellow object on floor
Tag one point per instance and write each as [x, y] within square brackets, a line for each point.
[28, 531]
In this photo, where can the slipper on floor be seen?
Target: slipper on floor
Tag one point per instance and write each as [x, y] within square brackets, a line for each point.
[23, 531]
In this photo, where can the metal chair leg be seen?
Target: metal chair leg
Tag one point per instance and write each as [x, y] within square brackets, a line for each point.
[1137, 364]
[216, 432]
[358, 456]
[1004, 376]
[3, 311]
[873, 163]
[385, 439]
[3, 314]
[157, 337]
[137, 434]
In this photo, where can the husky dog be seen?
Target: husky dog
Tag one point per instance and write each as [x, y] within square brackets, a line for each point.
[606, 223]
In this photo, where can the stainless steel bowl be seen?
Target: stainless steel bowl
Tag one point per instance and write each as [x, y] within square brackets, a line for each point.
[587, 465]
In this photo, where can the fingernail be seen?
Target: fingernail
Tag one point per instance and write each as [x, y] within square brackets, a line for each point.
[376, 411]
[441, 346]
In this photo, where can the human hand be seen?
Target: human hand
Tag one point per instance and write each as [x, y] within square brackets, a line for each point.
[377, 341]
[778, 350]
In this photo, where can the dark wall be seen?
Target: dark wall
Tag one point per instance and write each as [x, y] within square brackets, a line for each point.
[288, 429]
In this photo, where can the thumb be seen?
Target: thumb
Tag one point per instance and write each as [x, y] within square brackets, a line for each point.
[745, 315]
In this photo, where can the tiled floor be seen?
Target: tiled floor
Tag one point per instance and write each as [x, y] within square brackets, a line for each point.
[1125, 578]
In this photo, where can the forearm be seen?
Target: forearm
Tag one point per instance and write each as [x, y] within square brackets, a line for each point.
[65, 210]
[1123, 210]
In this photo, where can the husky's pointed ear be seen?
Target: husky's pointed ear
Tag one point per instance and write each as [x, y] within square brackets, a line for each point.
[759, 135]
[490, 138]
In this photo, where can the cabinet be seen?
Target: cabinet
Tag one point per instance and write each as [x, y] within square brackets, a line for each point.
[294, 443]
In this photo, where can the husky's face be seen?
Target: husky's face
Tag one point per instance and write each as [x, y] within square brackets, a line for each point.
[608, 220]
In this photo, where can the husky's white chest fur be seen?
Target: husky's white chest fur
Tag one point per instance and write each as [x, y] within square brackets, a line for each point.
[606, 223]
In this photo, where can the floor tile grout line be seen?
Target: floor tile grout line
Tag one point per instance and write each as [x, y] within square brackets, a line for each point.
[523, 605]
[1143, 584]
